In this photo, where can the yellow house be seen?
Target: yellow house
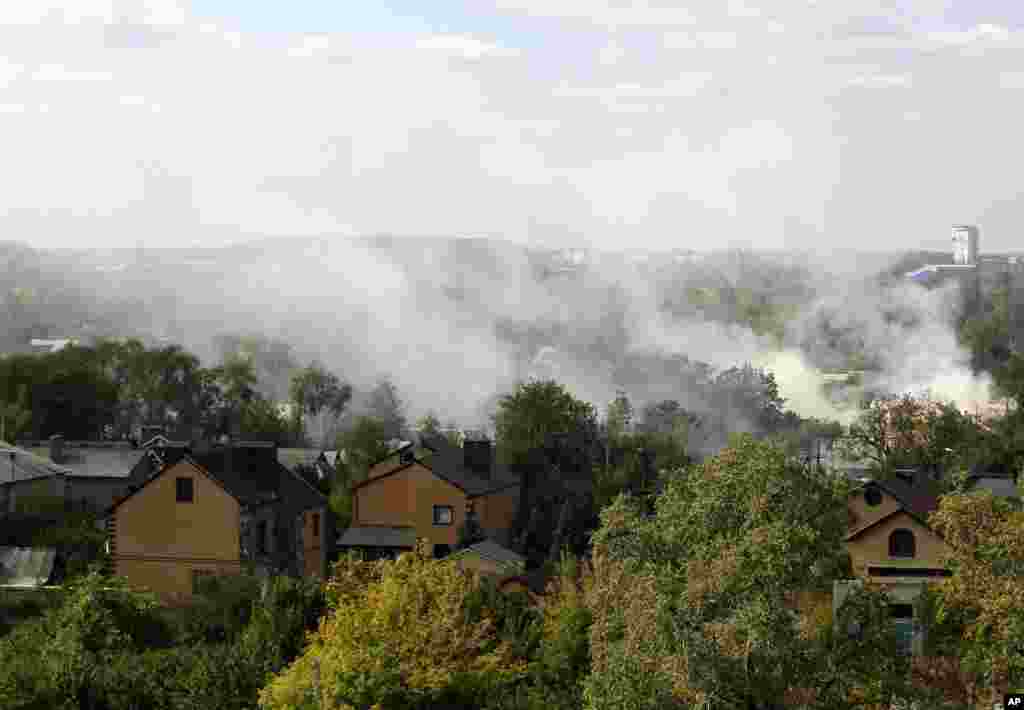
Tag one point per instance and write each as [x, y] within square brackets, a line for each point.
[208, 512]
[423, 492]
[890, 543]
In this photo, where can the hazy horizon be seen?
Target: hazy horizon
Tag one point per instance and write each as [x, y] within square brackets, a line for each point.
[659, 125]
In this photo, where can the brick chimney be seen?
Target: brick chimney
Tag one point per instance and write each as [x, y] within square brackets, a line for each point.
[477, 457]
[57, 448]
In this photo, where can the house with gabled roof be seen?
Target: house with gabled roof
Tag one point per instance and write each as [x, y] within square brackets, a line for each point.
[891, 543]
[421, 490]
[209, 510]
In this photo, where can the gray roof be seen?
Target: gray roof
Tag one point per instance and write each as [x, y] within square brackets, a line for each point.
[999, 486]
[25, 566]
[20, 464]
[491, 550]
[95, 462]
[378, 536]
[290, 458]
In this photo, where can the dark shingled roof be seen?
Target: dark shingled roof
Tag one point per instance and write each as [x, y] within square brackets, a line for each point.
[448, 461]
[378, 536]
[920, 498]
[254, 475]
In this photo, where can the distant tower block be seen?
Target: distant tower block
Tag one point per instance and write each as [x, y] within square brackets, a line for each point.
[1016, 311]
[965, 244]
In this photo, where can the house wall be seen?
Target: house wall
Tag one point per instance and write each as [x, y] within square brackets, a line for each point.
[158, 542]
[388, 501]
[873, 546]
[407, 498]
[497, 512]
[430, 491]
[314, 547]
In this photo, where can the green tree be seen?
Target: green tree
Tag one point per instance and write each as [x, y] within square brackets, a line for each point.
[363, 444]
[14, 416]
[429, 425]
[399, 634]
[386, 406]
[526, 422]
[697, 603]
[316, 392]
[985, 594]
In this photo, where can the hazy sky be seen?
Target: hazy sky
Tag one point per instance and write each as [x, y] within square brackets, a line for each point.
[793, 123]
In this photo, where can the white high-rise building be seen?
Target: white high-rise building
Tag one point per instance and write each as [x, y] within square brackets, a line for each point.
[965, 244]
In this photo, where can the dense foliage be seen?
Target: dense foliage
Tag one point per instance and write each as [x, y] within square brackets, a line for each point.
[698, 603]
[104, 647]
[419, 633]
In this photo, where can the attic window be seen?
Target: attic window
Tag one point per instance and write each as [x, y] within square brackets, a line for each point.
[872, 496]
[901, 543]
[183, 490]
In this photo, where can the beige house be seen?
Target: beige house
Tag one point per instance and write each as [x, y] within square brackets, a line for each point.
[890, 543]
[211, 511]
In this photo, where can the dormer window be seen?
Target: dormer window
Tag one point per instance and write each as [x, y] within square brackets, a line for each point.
[902, 544]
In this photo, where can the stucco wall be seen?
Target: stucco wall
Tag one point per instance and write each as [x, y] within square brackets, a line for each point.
[158, 541]
[170, 579]
[872, 547]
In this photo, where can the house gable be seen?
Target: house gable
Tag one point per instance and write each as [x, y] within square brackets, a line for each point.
[869, 546]
[407, 497]
[150, 523]
[862, 513]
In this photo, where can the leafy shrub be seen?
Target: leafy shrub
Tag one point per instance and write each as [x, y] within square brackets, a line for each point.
[401, 634]
[222, 609]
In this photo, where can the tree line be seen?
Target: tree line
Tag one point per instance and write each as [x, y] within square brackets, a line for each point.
[110, 390]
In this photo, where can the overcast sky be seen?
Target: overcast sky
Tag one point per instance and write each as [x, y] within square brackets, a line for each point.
[791, 123]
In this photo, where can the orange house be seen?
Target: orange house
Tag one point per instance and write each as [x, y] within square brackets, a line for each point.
[422, 492]
[211, 512]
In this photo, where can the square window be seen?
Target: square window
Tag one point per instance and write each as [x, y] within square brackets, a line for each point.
[443, 514]
[184, 490]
